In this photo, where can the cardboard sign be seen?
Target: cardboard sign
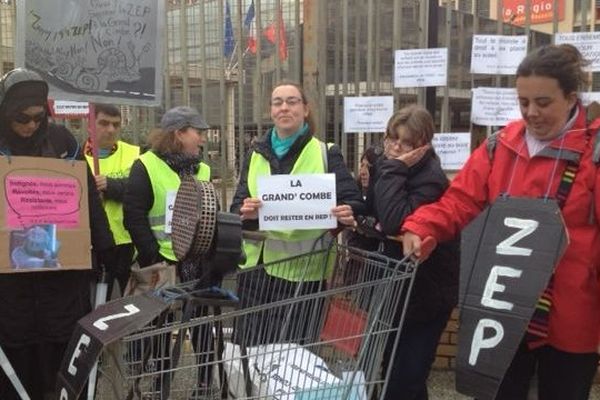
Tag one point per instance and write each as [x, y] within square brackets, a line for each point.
[367, 114]
[301, 201]
[106, 324]
[494, 106]
[588, 44]
[44, 222]
[99, 51]
[421, 67]
[496, 54]
[508, 254]
[453, 149]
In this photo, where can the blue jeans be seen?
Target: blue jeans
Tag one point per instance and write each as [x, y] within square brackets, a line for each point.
[413, 358]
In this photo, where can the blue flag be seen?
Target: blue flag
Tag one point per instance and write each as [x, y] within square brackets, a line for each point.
[229, 42]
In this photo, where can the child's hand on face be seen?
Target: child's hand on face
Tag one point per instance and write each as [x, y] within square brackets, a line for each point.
[412, 157]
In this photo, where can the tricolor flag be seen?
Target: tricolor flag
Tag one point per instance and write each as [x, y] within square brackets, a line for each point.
[250, 26]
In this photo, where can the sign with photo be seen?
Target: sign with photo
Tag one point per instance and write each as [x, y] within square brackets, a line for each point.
[421, 67]
[302, 201]
[99, 51]
[496, 54]
[494, 106]
[367, 114]
[45, 222]
[453, 149]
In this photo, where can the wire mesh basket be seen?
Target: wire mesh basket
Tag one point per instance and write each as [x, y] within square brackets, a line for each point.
[330, 338]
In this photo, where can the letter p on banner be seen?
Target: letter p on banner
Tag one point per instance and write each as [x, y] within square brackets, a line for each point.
[497, 294]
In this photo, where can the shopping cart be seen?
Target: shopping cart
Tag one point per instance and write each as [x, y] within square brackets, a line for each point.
[324, 339]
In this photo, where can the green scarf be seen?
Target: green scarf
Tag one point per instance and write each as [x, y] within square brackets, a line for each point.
[281, 146]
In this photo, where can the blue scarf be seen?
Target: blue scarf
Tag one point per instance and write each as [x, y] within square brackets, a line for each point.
[281, 146]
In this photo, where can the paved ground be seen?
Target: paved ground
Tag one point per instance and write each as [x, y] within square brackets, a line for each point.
[441, 387]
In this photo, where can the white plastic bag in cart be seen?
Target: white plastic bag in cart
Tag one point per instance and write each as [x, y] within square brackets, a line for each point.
[284, 371]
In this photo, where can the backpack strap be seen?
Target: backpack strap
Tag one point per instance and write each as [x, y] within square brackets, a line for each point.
[491, 143]
[594, 129]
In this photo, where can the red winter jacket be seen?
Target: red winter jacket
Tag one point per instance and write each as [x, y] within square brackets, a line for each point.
[575, 314]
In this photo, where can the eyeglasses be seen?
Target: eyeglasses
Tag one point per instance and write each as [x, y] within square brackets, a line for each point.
[404, 144]
[290, 101]
[22, 118]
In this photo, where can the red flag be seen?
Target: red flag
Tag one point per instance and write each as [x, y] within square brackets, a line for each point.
[269, 33]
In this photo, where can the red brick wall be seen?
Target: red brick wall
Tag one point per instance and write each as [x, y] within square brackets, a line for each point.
[446, 350]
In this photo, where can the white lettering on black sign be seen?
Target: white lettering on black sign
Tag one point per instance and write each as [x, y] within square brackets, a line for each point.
[101, 323]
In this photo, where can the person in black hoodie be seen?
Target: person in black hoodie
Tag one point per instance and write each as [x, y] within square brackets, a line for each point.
[39, 310]
[406, 176]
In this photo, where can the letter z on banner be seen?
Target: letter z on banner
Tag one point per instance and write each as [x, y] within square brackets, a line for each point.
[508, 254]
[106, 324]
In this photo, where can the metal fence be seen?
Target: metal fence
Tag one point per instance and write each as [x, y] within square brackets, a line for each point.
[336, 48]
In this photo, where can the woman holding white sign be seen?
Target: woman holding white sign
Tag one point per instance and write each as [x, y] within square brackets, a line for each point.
[290, 147]
[548, 154]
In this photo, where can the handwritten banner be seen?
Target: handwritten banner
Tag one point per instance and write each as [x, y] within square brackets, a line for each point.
[97, 50]
[301, 201]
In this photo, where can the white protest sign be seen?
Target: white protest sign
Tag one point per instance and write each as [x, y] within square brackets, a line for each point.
[495, 54]
[588, 44]
[588, 98]
[494, 106]
[169, 203]
[70, 108]
[367, 114]
[453, 149]
[421, 67]
[302, 201]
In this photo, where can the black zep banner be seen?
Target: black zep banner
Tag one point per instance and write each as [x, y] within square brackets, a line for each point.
[508, 254]
[104, 325]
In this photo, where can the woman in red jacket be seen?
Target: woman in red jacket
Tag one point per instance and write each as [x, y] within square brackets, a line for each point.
[528, 160]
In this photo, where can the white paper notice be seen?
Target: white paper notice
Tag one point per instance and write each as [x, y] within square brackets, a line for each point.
[296, 202]
[71, 108]
[589, 97]
[453, 149]
[494, 54]
[494, 106]
[367, 114]
[169, 204]
[588, 43]
[421, 67]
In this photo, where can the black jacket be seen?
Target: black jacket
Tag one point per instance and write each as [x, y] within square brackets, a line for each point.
[346, 187]
[395, 192]
[37, 307]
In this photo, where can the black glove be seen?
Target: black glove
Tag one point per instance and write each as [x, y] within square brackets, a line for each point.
[367, 226]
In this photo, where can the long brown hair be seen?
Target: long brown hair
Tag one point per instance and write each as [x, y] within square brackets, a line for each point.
[164, 142]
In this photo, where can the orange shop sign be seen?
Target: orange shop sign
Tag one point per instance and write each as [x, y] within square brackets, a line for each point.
[542, 11]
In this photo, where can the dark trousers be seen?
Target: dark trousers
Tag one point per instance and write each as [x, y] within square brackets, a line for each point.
[561, 375]
[122, 268]
[414, 356]
[36, 366]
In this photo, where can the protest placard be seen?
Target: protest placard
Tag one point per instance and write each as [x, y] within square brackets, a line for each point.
[97, 50]
[588, 43]
[45, 222]
[421, 67]
[540, 11]
[452, 148]
[367, 114]
[496, 54]
[302, 201]
[494, 106]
